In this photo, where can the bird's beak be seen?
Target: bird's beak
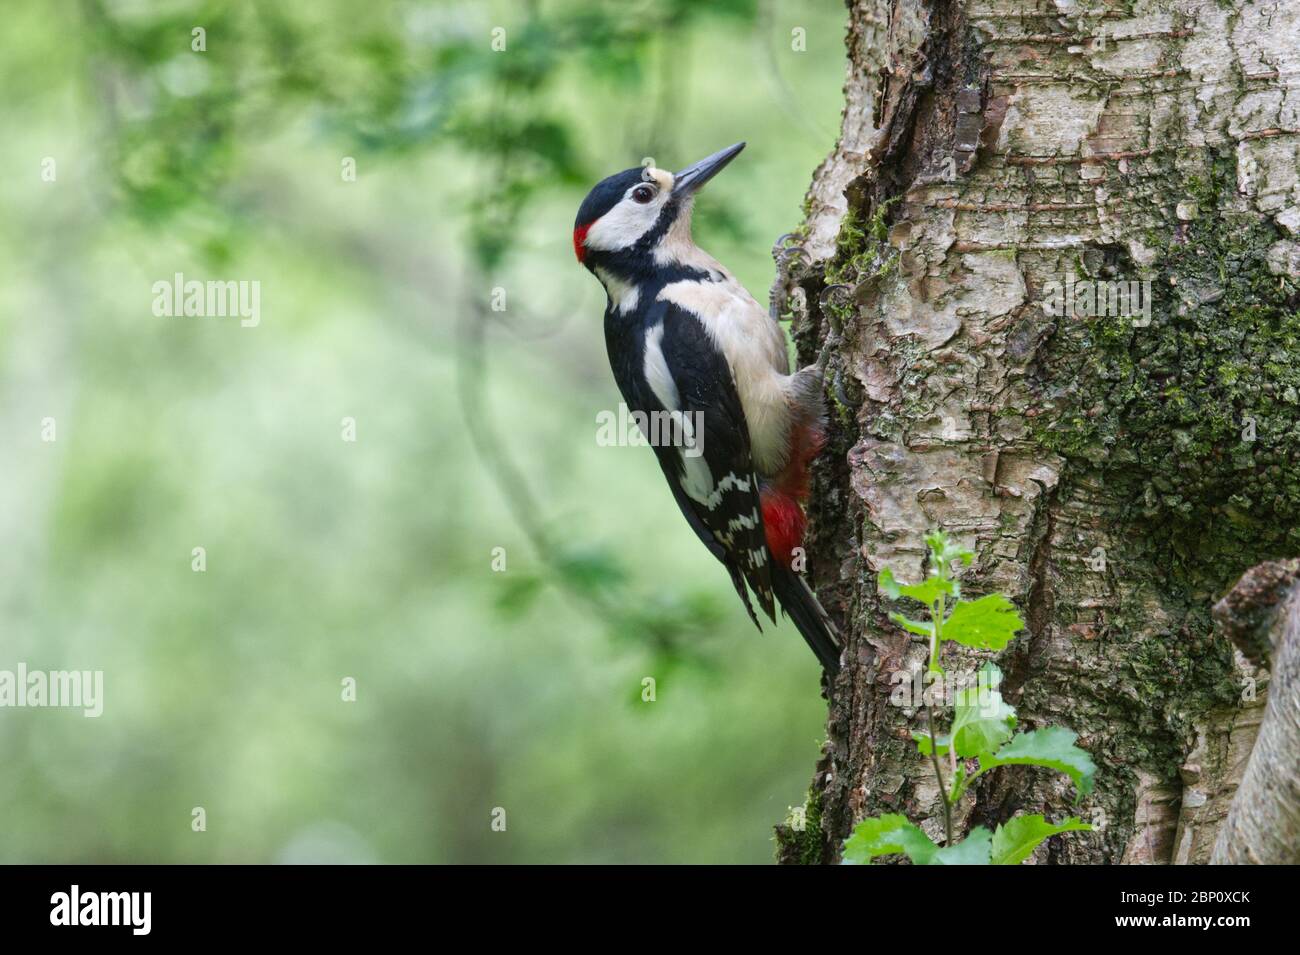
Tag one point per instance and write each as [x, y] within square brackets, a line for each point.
[692, 177]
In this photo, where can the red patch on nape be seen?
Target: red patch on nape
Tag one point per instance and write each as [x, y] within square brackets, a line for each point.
[580, 237]
[784, 523]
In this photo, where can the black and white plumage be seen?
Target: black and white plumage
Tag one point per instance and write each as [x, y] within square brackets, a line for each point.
[717, 490]
[685, 339]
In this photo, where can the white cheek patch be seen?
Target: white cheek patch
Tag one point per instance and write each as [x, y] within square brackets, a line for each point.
[623, 225]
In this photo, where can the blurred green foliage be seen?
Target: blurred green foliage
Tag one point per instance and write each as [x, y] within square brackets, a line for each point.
[372, 559]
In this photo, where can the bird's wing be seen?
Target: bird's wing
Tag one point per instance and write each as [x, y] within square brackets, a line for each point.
[711, 473]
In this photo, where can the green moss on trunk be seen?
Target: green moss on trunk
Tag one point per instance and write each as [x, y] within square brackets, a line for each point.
[1197, 413]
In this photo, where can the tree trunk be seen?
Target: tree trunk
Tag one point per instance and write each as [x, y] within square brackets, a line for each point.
[1114, 469]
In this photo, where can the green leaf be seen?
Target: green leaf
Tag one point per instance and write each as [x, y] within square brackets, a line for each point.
[929, 590]
[982, 721]
[985, 624]
[914, 626]
[923, 743]
[886, 582]
[975, 849]
[926, 592]
[1018, 837]
[946, 550]
[887, 835]
[1052, 747]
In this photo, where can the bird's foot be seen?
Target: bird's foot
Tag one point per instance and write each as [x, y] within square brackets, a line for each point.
[792, 265]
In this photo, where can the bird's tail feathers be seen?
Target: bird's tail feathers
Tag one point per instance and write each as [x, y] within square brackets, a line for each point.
[802, 606]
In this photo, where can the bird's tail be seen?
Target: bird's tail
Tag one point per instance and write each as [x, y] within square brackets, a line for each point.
[800, 603]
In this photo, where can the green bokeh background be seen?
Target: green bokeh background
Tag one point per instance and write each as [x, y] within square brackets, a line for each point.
[372, 559]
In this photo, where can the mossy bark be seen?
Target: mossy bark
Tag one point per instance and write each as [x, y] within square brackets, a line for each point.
[1114, 473]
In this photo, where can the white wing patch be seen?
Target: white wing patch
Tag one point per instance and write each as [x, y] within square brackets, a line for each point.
[656, 369]
[697, 479]
[699, 487]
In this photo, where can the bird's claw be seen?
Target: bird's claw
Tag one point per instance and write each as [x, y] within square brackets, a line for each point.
[840, 394]
[793, 252]
[824, 301]
[785, 275]
[779, 245]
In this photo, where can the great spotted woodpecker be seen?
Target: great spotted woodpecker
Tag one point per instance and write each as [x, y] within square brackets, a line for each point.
[684, 337]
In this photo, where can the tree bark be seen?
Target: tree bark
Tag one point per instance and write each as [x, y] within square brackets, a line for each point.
[1114, 474]
[1261, 615]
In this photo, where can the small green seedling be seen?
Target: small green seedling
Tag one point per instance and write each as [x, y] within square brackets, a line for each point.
[982, 729]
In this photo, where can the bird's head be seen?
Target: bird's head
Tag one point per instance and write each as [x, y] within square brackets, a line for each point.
[640, 218]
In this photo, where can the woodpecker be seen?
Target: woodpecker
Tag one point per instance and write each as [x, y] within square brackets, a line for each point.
[686, 339]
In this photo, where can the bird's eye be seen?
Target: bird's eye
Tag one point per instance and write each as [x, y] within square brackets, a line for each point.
[643, 194]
